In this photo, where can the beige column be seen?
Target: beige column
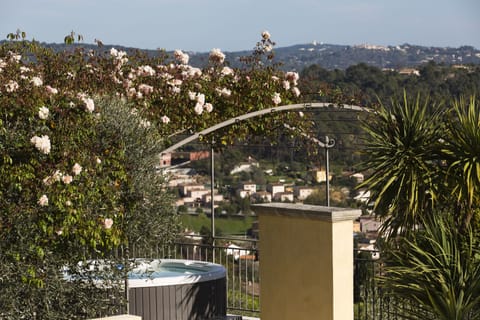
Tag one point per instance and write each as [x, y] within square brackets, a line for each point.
[306, 261]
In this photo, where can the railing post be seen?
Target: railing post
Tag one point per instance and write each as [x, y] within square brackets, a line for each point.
[306, 268]
[212, 202]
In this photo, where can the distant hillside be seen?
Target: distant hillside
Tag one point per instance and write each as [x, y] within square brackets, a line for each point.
[331, 56]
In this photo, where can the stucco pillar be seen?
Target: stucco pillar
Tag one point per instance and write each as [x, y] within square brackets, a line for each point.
[306, 261]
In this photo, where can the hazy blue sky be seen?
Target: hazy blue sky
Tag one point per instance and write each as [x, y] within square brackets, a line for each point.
[231, 25]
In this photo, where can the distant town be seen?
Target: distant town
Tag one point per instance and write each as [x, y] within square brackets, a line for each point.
[194, 193]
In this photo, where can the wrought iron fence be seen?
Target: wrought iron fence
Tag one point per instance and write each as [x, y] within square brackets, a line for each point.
[238, 255]
[371, 302]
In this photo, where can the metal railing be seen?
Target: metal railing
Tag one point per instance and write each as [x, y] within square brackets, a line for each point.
[371, 302]
[238, 255]
[243, 283]
[240, 258]
[242, 265]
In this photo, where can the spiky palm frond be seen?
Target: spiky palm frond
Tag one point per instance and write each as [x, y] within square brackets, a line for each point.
[402, 152]
[438, 270]
[462, 152]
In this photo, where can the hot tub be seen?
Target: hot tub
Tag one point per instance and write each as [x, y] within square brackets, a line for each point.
[177, 289]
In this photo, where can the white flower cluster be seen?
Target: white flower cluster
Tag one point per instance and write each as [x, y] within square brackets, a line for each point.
[208, 107]
[3, 64]
[51, 90]
[200, 102]
[43, 201]
[276, 98]
[58, 176]
[43, 113]
[190, 72]
[145, 71]
[14, 57]
[145, 89]
[217, 56]
[67, 179]
[107, 223]
[11, 86]
[175, 85]
[120, 56]
[165, 119]
[227, 71]
[296, 91]
[292, 77]
[265, 35]
[181, 56]
[76, 169]
[55, 177]
[224, 92]
[24, 70]
[266, 45]
[89, 103]
[41, 143]
[175, 82]
[36, 81]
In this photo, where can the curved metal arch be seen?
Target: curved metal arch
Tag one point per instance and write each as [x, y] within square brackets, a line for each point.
[300, 106]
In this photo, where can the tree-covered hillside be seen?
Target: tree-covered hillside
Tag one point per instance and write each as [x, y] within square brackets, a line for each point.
[366, 84]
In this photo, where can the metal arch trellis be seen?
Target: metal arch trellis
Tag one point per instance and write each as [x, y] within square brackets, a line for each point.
[291, 107]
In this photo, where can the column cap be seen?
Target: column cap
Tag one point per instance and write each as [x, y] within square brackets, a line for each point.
[330, 214]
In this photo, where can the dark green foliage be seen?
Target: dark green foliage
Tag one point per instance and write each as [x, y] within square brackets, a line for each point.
[365, 84]
[403, 154]
[437, 269]
[148, 213]
[423, 156]
[461, 150]
[425, 181]
[32, 282]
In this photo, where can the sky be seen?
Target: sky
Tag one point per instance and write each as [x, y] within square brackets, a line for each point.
[234, 25]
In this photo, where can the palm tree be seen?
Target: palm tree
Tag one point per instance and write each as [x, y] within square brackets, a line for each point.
[402, 153]
[461, 150]
[425, 182]
[436, 272]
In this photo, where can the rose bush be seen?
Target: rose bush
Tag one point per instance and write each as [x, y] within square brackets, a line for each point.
[80, 134]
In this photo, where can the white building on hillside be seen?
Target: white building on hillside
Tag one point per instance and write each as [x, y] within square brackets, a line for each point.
[206, 198]
[185, 188]
[302, 192]
[275, 188]
[245, 166]
[249, 186]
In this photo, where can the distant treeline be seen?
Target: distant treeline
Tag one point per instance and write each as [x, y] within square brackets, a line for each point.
[365, 85]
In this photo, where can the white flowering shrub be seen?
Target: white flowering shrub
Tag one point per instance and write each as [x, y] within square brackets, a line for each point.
[80, 132]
